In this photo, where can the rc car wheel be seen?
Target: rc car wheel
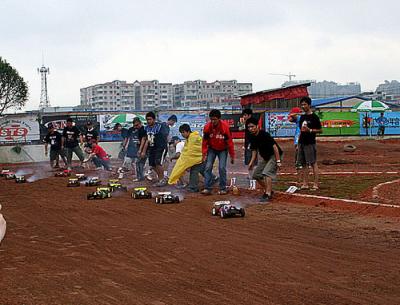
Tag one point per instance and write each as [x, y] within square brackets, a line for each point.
[149, 195]
[177, 199]
[214, 212]
[222, 213]
[242, 212]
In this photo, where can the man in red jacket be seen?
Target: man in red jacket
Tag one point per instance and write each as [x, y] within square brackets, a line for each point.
[217, 142]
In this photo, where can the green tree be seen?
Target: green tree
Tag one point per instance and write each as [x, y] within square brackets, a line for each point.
[13, 89]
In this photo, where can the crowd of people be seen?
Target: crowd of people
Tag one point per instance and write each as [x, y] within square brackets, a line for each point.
[194, 154]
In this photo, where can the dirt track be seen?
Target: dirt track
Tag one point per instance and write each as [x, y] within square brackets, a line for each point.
[62, 249]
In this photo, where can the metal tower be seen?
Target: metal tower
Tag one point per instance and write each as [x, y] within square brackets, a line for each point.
[44, 98]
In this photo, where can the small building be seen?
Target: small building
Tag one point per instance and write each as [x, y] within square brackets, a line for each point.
[279, 99]
[338, 103]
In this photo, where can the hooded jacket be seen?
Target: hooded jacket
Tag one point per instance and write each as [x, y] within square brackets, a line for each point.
[218, 138]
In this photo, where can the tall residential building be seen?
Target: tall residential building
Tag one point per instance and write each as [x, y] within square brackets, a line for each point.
[150, 95]
[201, 94]
[388, 91]
[120, 95]
[328, 88]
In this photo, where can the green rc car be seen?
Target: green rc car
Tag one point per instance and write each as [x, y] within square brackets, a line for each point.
[141, 193]
[102, 194]
[115, 187]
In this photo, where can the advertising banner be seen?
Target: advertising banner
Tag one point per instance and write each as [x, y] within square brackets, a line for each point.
[19, 129]
[391, 121]
[108, 122]
[278, 125]
[195, 121]
[60, 121]
[236, 123]
[339, 123]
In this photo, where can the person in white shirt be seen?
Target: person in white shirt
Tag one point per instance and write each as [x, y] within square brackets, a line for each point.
[178, 144]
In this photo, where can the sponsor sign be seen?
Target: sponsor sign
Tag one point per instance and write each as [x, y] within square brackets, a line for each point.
[60, 121]
[339, 123]
[195, 121]
[19, 129]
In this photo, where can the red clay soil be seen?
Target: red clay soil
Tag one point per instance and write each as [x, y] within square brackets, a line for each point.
[389, 192]
[63, 249]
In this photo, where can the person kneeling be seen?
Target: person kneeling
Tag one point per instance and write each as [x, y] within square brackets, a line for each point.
[99, 157]
[190, 158]
[262, 142]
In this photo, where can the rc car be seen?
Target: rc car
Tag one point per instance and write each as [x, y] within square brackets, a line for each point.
[10, 176]
[117, 187]
[94, 181]
[217, 206]
[20, 179]
[103, 194]
[80, 177]
[141, 193]
[166, 197]
[64, 173]
[230, 210]
[4, 172]
[104, 188]
[73, 182]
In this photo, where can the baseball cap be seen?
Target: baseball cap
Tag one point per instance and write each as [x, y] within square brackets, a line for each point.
[295, 110]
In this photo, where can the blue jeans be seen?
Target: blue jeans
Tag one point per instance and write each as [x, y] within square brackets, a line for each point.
[222, 157]
[140, 168]
[100, 162]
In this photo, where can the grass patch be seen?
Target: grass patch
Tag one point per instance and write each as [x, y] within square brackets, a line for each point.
[344, 187]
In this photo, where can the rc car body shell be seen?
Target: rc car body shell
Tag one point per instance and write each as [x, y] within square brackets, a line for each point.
[99, 195]
[166, 197]
[73, 182]
[141, 193]
[20, 179]
[93, 182]
[217, 206]
[64, 173]
[4, 172]
[230, 210]
[80, 177]
[117, 187]
[10, 176]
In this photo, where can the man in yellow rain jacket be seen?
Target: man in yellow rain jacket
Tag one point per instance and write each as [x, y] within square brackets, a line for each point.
[191, 158]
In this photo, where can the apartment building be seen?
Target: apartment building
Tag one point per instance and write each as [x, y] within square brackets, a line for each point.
[120, 95]
[327, 89]
[201, 94]
[150, 95]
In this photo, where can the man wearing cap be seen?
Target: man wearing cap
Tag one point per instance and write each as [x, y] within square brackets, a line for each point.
[70, 142]
[294, 117]
[53, 138]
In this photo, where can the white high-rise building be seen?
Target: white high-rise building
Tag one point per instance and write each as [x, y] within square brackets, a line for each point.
[120, 95]
[201, 94]
[151, 95]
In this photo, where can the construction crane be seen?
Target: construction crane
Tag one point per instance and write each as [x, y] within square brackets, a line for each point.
[290, 75]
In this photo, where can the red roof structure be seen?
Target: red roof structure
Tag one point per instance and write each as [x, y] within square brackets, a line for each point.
[285, 93]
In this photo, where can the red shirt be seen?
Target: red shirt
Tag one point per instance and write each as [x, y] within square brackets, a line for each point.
[100, 153]
[218, 138]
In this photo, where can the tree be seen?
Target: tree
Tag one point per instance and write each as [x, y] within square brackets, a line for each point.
[13, 89]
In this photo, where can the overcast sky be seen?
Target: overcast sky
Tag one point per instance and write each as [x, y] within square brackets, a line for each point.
[88, 42]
